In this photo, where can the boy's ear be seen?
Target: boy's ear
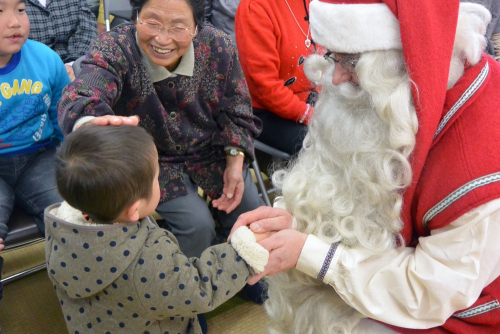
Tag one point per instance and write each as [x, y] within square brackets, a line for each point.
[131, 213]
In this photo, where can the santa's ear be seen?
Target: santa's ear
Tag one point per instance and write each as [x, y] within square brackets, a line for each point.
[314, 67]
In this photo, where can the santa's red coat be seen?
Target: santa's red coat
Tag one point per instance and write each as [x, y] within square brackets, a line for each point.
[462, 172]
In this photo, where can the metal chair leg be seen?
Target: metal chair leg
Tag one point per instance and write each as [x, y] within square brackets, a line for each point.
[105, 4]
[260, 182]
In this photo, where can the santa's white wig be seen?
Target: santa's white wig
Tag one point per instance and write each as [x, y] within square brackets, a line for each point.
[346, 184]
[470, 40]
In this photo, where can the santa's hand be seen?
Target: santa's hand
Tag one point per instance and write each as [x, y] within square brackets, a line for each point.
[264, 219]
[284, 250]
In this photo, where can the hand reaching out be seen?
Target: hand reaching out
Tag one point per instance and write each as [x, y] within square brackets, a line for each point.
[264, 219]
[284, 251]
[112, 120]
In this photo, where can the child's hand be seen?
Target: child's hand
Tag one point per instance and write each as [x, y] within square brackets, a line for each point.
[262, 236]
[1, 244]
[70, 71]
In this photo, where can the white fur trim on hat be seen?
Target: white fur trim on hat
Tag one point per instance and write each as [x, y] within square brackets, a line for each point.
[354, 28]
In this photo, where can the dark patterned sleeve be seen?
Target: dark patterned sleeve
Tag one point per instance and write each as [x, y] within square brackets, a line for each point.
[169, 283]
[99, 84]
[236, 119]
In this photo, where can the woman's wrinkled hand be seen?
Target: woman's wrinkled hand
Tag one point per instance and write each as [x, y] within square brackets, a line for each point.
[115, 120]
[112, 120]
[264, 219]
[233, 185]
[284, 251]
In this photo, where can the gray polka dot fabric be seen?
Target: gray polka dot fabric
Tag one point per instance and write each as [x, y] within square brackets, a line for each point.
[133, 278]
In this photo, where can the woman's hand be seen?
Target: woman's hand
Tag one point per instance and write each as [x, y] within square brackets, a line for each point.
[284, 251]
[233, 185]
[264, 219]
[115, 120]
[112, 120]
[71, 73]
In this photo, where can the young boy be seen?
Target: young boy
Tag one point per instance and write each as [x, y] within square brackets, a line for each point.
[113, 268]
[32, 78]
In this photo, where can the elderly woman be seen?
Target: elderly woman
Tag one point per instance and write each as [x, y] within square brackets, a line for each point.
[183, 83]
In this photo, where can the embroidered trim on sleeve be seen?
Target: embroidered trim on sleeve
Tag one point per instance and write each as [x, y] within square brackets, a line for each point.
[494, 304]
[457, 194]
[328, 261]
[464, 98]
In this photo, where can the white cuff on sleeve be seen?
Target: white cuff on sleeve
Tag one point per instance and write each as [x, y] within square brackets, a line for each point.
[318, 258]
[82, 120]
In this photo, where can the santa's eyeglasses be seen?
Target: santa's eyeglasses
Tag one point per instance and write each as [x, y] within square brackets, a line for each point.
[348, 61]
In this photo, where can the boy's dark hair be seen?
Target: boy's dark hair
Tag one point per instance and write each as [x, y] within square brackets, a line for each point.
[197, 7]
[100, 170]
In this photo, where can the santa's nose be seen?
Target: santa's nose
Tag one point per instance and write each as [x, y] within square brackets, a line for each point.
[340, 75]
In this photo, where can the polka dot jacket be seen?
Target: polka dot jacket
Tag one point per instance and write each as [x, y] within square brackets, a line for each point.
[133, 278]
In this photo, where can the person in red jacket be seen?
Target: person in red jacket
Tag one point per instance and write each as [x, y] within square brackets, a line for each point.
[391, 217]
[274, 39]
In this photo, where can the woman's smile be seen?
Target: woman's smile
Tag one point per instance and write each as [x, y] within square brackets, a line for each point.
[160, 51]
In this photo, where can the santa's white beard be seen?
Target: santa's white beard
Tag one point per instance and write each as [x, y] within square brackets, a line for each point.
[345, 186]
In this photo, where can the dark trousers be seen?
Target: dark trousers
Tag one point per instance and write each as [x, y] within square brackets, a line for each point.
[1, 286]
[190, 220]
[29, 181]
[282, 134]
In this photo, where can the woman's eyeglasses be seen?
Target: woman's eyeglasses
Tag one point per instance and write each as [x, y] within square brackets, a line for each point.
[347, 61]
[154, 28]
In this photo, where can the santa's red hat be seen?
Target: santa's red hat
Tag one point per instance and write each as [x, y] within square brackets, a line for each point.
[424, 30]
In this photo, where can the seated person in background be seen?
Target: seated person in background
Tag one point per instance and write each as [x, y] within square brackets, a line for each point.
[186, 86]
[101, 22]
[32, 78]
[104, 248]
[221, 14]
[493, 32]
[273, 41]
[67, 27]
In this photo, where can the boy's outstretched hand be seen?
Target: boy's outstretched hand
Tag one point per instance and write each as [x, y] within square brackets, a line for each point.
[262, 236]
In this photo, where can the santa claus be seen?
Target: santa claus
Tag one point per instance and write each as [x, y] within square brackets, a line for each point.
[392, 210]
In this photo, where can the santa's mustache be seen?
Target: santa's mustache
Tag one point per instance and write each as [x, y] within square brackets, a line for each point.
[320, 71]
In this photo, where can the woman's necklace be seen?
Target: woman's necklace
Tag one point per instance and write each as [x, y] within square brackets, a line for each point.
[307, 41]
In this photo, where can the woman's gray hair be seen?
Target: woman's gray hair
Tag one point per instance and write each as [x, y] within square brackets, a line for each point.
[197, 7]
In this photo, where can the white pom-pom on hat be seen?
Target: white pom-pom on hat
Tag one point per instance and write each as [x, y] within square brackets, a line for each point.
[314, 67]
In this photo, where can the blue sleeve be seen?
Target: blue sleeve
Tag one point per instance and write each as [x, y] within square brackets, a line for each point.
[60, 81]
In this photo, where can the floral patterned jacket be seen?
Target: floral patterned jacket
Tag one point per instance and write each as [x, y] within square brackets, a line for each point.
[191, 119]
